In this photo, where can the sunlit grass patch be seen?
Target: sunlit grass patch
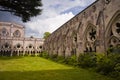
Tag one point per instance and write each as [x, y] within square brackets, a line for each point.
[36, 68]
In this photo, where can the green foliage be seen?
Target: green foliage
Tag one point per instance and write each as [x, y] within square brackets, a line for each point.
[114, 50]
[71, 60]
[87, 60]
[22, 8]
[33, 55]
[53, 57]
[109, 65]
[44, 54]
[56, 58]
[61, 59]
[104, 64]
[46, 35]
[26, 54]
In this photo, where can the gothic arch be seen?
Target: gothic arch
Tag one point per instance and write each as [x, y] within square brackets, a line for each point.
[113, 30]
[115, 16]
[6, 45]
[89, 26]
[18, 46]
[113, 41]
[4, 32]
[90, 38]
[30, 46]
[17, 33]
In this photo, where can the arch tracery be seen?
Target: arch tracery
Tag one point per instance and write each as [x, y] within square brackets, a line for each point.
[90, 38]
[17, 33]
[113, 31]
[4, 32]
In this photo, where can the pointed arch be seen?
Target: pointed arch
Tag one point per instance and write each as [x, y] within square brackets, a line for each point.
[89, 26]
[4, 32]
[6, 45]
[90, 38]
[17, 33]
[113, 29]
[112, 20]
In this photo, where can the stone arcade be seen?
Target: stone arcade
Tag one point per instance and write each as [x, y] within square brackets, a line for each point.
[13, 42]
[95, 29]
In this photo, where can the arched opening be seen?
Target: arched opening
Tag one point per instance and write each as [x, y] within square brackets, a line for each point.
[90, 38]
[17, 33]
[18, 45]
[2, 52]
[5, 32]
[6, 45]
[40, 47]
[30, 46]
[113, 33]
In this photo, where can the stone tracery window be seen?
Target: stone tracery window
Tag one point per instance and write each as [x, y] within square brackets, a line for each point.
[90, 43]
[114, 41]
[118, 28]
[114, 34]
[91, 34]
[17, 33]
[5, 32]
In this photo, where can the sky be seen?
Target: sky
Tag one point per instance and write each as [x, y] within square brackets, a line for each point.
[55, 13]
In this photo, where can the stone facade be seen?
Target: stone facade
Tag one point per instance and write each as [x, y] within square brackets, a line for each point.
[13, 41]
[94, 29]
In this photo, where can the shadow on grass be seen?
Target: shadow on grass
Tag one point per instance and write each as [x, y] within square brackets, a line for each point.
[8, 58]
[67, 74]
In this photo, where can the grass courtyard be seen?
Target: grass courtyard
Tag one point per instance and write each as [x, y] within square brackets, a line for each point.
[36, 68]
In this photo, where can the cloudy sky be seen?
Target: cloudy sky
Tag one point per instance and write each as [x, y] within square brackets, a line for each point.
[54, 14]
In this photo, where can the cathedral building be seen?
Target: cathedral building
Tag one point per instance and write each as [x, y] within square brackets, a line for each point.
[14, 43]
[95, 29]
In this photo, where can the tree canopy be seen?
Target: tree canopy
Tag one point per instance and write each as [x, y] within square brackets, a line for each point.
[22, 8]
[46, 35]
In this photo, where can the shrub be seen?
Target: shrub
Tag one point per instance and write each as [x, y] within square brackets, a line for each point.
[109, 65]
[26, 54]
[44, 54]
[53, 57]
[105, 65]
[32, 55]
[113, 50]
[61, 59]
[71, 60]
[87, 60]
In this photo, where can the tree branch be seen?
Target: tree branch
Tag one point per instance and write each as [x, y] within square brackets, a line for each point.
[7, 10]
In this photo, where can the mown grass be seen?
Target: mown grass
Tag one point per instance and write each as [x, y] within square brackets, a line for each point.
[36, 68]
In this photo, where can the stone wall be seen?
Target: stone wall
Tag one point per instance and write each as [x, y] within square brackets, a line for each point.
[13, 42]
[94, 29]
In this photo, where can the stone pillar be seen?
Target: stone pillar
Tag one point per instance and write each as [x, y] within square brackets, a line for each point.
[67, 52]
[17, 52]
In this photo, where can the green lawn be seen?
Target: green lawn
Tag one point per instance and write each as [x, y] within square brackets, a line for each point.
[36, 68]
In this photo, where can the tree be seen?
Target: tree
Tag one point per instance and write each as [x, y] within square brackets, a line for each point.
[46, 35]
[22, 8]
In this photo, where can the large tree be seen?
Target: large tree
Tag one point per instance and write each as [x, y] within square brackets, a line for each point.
[22, 8]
